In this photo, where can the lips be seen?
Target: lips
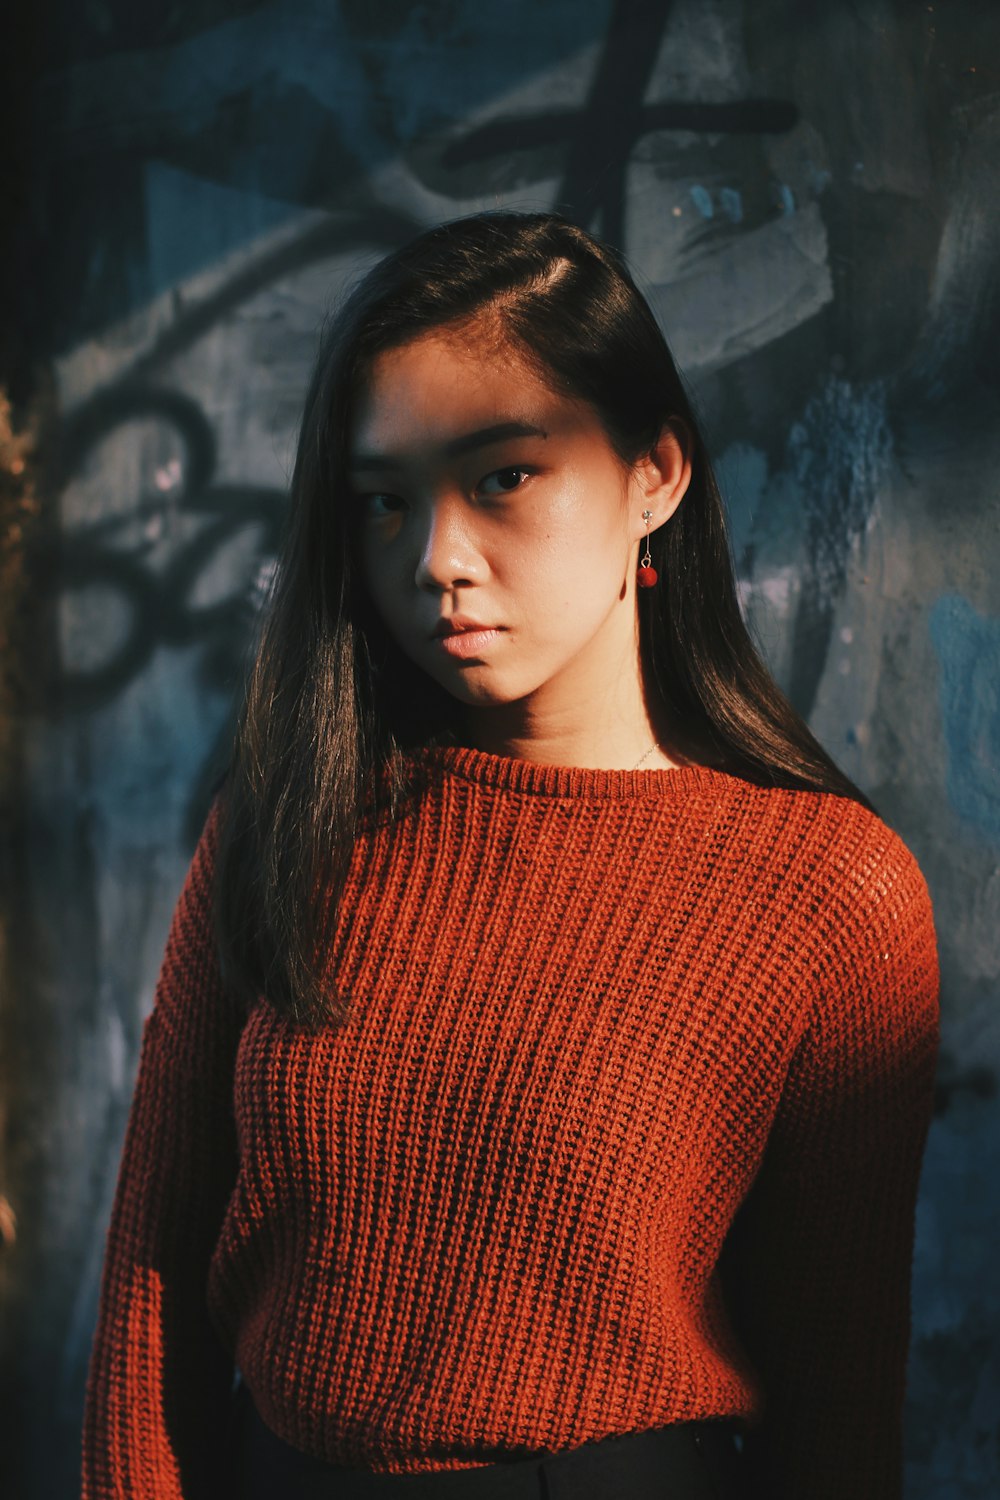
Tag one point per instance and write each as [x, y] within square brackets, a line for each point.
[459, 625]
[465, 640]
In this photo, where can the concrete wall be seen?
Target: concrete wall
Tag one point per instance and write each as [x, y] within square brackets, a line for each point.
[807, 195]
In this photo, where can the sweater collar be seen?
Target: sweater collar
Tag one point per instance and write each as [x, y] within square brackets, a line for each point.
[514, 774]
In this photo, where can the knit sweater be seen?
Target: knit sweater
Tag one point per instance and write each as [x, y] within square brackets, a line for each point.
[625, 1129]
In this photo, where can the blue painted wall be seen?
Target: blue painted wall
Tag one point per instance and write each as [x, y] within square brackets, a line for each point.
[806, 195]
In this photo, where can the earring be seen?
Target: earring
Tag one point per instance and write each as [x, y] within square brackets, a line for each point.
[647, 573]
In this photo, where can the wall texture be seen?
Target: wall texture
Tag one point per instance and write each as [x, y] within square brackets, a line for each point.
[807, 195]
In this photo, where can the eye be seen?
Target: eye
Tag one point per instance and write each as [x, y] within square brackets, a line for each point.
[504, 481]
[379, 504]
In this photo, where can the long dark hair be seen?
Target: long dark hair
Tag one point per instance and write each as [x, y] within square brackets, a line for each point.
[331, 705]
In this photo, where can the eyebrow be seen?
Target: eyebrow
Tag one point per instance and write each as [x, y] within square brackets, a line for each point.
[466, 443]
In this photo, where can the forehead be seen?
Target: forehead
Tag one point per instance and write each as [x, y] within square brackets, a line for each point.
[437, 386]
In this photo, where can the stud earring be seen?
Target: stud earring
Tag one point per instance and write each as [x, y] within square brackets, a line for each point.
[647, 573]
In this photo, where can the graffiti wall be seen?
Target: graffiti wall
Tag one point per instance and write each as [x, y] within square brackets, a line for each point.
[806, 195]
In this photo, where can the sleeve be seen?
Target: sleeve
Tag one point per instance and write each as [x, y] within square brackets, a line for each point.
[159, 1382]
[817, 1265]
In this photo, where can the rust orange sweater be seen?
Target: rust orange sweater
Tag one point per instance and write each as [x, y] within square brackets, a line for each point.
[626, 1129]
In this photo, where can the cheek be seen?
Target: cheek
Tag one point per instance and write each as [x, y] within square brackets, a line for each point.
[593, 511]
[517, 561]
[380, 597]
[550, 537]
[571, 562]
[380, 567]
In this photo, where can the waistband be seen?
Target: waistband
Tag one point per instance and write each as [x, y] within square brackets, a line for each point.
[684, 1461]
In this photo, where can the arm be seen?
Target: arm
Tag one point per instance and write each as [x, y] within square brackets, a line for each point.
[159, 1381]
[817, 1264]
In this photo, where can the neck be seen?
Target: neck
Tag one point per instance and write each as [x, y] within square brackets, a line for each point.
[611, 731]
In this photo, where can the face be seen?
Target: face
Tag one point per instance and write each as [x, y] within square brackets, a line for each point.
[485, 500]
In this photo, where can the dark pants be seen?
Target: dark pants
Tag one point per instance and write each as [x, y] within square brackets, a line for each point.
[687, 1461]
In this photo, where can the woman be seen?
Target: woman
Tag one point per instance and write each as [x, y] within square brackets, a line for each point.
[536, 1087]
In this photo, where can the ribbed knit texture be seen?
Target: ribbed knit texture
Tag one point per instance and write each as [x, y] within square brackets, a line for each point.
[597, 1016]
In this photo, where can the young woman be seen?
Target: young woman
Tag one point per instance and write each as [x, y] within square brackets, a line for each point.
[535, 1091]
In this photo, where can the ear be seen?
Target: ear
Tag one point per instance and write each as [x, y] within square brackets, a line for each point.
[660, 479]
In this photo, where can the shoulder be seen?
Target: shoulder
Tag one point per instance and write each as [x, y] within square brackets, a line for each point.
[858, 864]
[206, 849]
[875, 892]
[874, 942]
[867, 865]
[851, 888]
[196, 890]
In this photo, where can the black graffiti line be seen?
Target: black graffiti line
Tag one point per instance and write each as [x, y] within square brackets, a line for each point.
[608, 126]
[528, 132]
[368, 225]
[114, 407]
[602, 135]
[129, 398]
[158, 603]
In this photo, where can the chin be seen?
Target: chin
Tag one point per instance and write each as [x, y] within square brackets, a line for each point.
[481, 694]
[481, 698]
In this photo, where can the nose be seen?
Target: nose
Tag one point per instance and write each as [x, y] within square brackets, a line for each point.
[447, 554]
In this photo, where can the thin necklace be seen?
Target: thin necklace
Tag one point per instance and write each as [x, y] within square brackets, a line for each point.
[653, 746]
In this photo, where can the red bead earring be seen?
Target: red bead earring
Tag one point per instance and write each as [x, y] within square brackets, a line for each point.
[647, 573]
